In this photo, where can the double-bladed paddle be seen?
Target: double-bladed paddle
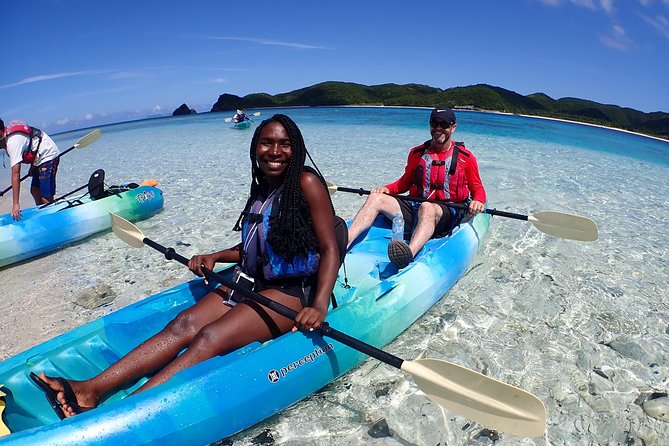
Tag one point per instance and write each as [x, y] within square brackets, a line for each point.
[252, 114]
[80, 144]
[462, 391]
[557, 224]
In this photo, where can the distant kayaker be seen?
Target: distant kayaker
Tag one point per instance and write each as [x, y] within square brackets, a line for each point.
[240, 116]
[29, 145]
[439, 169]
[294, 261]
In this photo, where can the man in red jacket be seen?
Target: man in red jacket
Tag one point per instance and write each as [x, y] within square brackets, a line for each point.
[439, 169]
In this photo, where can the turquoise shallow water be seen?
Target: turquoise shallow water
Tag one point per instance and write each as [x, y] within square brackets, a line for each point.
[582, 325]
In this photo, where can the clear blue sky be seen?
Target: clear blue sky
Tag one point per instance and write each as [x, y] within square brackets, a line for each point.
[77, 63]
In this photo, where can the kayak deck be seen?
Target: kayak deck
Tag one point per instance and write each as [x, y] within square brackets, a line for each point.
[43, 230]
[378, 305]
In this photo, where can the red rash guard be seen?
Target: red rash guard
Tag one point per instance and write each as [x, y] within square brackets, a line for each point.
[466, 179]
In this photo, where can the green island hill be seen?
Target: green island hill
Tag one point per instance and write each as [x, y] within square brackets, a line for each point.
[480, 97]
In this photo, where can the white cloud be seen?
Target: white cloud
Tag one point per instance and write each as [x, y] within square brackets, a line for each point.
[607, 5]
[157, 109]
[590, 4]
[618, 39]
[62, 121]
[88, 116]
[659, 22]
[270, 42]
[45, 77]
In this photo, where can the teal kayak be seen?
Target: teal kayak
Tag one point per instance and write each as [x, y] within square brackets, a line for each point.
[227, 394]
[42, 230]
[242, 125]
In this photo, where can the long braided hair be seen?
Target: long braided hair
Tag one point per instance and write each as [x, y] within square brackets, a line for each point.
[290, 231]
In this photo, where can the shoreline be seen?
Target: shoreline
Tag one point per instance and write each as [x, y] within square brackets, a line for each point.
[657, 138]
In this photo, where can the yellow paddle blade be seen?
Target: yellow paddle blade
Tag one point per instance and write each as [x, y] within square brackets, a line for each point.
[126, 231]
[495, 404]
[87, 139]
[332, 188]
[558, 224]
[4, 430]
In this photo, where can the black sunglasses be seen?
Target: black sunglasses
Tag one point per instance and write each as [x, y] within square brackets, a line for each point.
[442, 124]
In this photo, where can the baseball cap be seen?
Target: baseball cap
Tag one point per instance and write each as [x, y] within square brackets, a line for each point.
[443, 113]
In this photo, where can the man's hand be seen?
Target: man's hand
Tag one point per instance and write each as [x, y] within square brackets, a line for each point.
[16, 212]
[381, 190]
[475, 207]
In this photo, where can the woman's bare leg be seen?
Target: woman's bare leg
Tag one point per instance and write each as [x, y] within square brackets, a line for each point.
[245, 323]
[151, 355]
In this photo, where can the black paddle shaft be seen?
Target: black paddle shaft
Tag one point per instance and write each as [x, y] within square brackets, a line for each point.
[28, 174]
[324, 329]
[445, 203]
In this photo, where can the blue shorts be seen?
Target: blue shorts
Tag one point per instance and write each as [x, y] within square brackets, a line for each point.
[44, 177]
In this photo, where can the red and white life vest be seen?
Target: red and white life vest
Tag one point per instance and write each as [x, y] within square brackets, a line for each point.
[432, 176]
[33, 134]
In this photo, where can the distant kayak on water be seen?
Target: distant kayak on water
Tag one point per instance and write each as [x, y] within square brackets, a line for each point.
[241, 120]
[242, 125]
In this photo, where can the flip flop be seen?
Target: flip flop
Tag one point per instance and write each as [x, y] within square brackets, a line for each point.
[50, 394]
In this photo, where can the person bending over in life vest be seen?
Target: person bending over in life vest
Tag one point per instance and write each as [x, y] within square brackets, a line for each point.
[439, 169]
[29, 145]
[303, 255]
[240, 116]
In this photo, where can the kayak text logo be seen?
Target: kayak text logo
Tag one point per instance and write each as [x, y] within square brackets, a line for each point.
[145, 196]
[275, 375]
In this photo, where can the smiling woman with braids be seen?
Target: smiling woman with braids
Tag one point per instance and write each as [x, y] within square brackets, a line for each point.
[288, 246]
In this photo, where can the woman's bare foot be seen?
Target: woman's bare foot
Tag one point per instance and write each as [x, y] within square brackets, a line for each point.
[75, 397]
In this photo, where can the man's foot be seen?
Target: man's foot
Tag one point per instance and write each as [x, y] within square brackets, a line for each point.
[399, 253]
[68, 396]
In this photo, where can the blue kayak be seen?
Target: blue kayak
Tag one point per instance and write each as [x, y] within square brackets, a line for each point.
[227, 394]
[42, 230]
[242, 125]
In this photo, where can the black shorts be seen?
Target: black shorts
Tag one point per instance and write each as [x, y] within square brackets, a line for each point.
[451, 217]
[303, 288]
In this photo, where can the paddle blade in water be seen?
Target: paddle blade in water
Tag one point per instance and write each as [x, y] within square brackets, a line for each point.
[126, 231]
[483, 399]
[573, 227]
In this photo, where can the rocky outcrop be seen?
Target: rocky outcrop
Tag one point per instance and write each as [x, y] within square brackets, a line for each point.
[228, 102]
[183, 110]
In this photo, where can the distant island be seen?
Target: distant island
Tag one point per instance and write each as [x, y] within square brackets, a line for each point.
[474, 97]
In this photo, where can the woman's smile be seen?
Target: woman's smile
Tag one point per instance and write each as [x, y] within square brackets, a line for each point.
[274, 151]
